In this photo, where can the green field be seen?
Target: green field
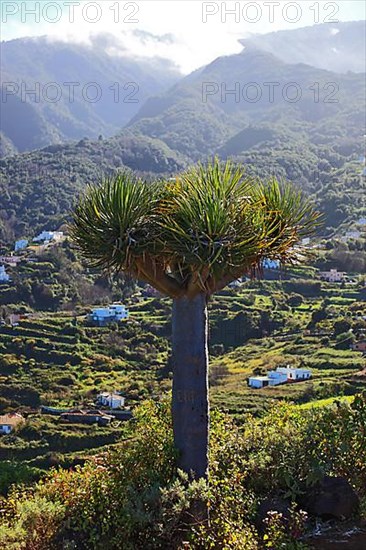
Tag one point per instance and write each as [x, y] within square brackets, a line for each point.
[55, 358]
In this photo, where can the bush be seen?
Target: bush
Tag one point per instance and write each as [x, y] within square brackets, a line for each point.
[134, 498]
[295, 300]
[13, 472]
[32, 522]
[344, 340]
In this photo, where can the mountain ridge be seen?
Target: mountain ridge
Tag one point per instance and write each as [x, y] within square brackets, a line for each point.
[314, 142]
[66, 79]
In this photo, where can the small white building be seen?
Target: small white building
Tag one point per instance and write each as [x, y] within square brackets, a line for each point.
[282, 375]
[293, 374]
[10, 260]
[104, 315]
[20, 245]
[4, 277]
[9, 421]
[258, 381]
[235, 284]
[362, 221]
[332, 276]
[47, 236]
[111, 400]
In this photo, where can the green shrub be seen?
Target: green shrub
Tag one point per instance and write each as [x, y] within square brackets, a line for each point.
[134, 497]
[32, 522]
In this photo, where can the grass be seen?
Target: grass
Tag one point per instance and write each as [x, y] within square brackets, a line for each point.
[325, 402]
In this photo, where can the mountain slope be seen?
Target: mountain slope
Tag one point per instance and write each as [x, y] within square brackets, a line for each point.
[200, 113]
[80, 90]
[338, 47]
[38, 189]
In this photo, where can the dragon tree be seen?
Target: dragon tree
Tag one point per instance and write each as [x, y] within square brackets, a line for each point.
[189, 238]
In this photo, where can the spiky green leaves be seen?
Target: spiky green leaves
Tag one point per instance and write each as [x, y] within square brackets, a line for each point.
[197, 234]
[112, 223]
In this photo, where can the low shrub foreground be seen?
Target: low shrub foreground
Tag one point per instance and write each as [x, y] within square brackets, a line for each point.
[134, 497]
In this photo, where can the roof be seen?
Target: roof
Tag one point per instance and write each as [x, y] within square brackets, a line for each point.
[292, 369]
[11, 419]
[110, 394]
[91, 412]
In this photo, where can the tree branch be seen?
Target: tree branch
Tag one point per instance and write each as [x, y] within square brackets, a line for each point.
[215, 286]
[155, 274]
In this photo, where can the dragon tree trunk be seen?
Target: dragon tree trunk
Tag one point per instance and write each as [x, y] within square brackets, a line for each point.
[190, 405]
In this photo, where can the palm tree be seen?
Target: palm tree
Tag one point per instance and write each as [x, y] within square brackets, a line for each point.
[189, 238]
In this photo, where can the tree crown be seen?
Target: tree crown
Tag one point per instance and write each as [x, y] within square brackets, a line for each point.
[196, 233]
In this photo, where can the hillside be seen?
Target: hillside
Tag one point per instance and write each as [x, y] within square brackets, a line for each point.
[40, 187]
[108, 88]
[317, 145]
[54, 357]
[338, 47]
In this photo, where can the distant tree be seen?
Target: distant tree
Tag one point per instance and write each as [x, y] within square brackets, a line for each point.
[189, 238]
[344, 340]
[295, 300]
[341, 326]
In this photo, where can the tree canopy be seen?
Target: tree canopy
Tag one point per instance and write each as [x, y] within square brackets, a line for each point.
[195, 233]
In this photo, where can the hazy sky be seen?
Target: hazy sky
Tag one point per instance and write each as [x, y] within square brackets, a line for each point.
[191, 32]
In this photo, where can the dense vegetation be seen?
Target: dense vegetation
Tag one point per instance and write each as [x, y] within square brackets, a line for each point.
[39, 189]
[55, 358]
[134, 497]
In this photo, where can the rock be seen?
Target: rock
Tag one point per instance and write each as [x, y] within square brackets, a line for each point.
[331, 497]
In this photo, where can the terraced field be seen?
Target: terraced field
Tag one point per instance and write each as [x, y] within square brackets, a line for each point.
[57, 359]
[333, 374]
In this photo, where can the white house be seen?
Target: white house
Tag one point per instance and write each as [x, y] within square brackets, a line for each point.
[271, 264]
[10, 260]
[4, 277]
[9, 421]
[47, 236]
[294, 374]
[20, 245]
[332, 276]
[104, 315]
[235, 284]
[277, 377]
[362, 221]
[112, 400]
[258, 381]
[282, 375]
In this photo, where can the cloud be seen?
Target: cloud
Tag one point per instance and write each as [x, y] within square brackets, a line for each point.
[172, 30]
